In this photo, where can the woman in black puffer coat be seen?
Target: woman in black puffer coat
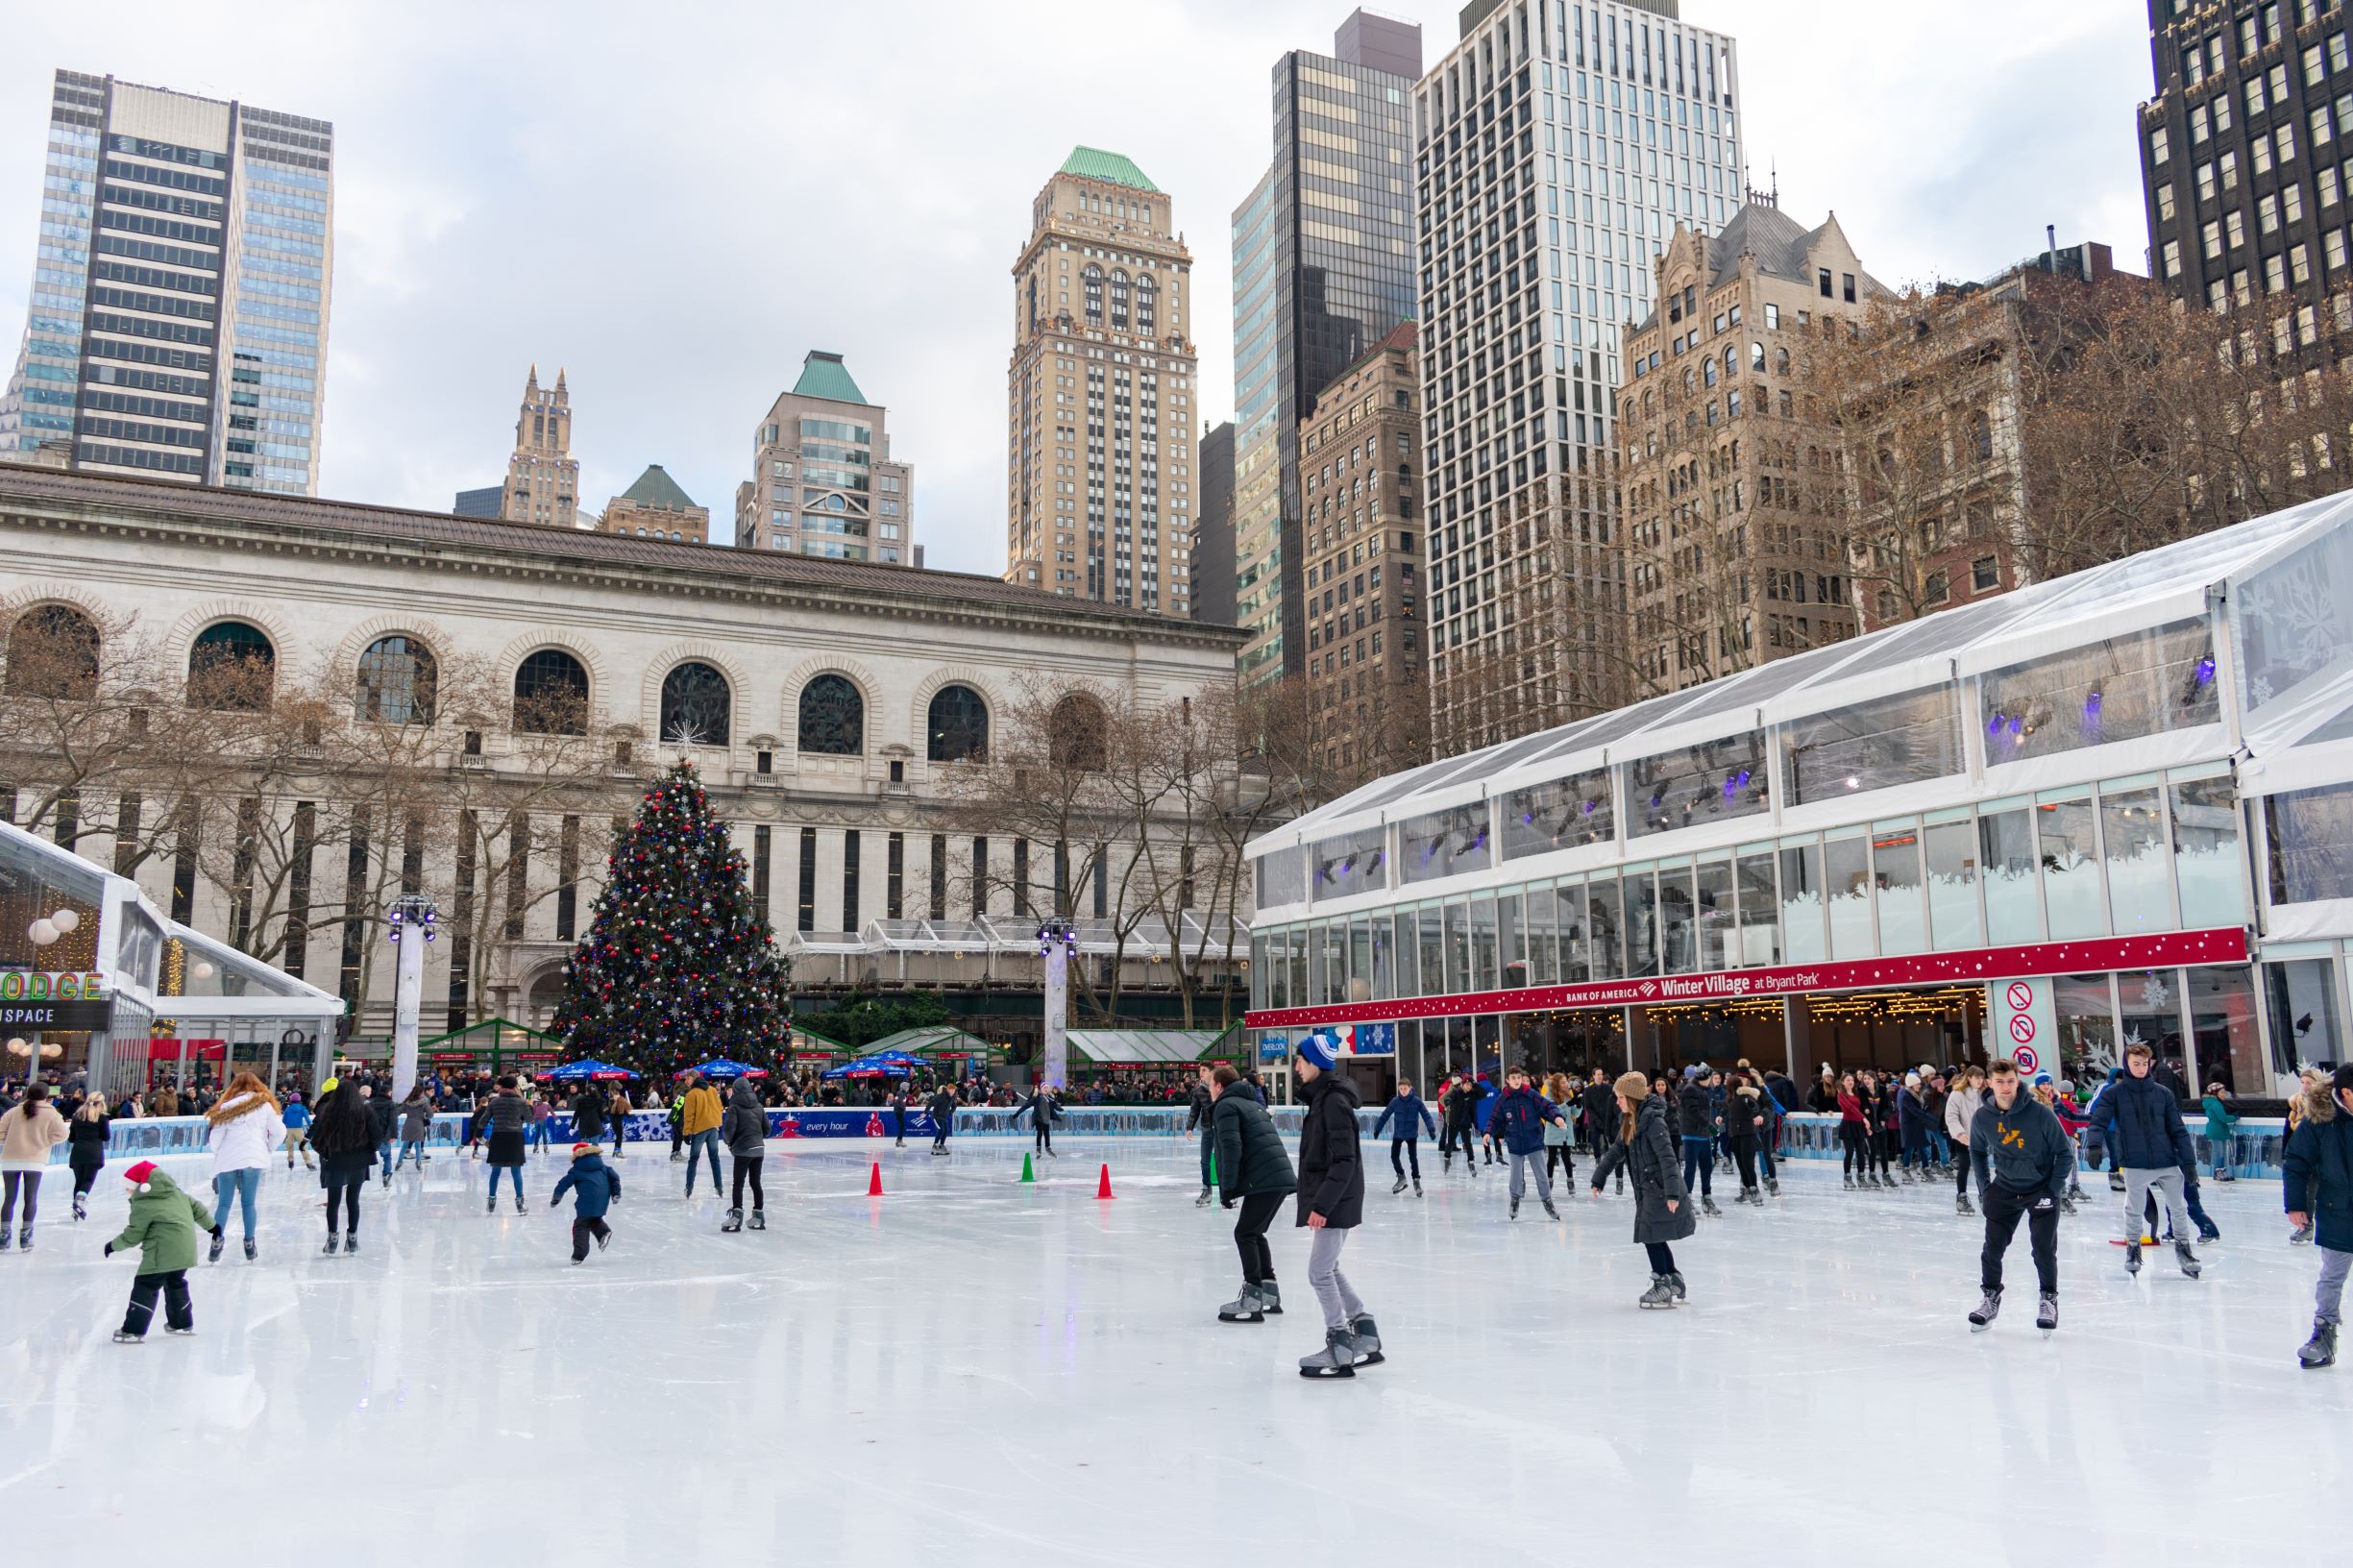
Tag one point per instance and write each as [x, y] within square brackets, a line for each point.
[505, 1119]
[344, 1135]
[1255, 1170]
[1662, 1203]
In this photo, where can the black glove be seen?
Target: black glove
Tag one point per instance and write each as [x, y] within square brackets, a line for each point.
[216, 1233]
[108, 1250]
[552, 1202]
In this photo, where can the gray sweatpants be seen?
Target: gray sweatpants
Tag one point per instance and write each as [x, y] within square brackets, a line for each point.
[2328, 1297]
[1324, 1277]
[2167, 1183]
[1521, 1164]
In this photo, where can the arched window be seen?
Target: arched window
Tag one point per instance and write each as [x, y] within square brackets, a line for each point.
[232, 668]
[398, 682]
[1076, 733]
[1118, 298]
[832, 718]
[957, 727]
[1981, 435]
[1091, 283]
[1781, 361]
[53, 653]
[1147, 299]
[697, 709]
[550, 695]
[1756, 356]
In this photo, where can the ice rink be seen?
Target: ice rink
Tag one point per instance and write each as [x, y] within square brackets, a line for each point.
[1007, 1374]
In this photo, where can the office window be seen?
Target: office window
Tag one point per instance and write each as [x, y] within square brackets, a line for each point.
[849, 880]
[807, 919]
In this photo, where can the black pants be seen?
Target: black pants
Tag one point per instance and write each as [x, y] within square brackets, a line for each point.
[349, 1193]
[900, 1117]
[1412, 1149]
[84, 1176]
[1960, 1170]
[1851, 1138]
[178, 1311]
[1259, 1210]
[939, 1137]
[1457, 1137]
[27, 1183]
[748, 1169]
[1662, 1257]
[1043, 1143]
[620, 1128]
[582, 1230]
[1597, 1142]
[1564, 1154]
[1744, 1155]
[677, 1137]
[1884, 1145]
[2002, 1209]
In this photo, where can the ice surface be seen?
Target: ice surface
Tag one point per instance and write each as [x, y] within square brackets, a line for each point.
[970, 1371]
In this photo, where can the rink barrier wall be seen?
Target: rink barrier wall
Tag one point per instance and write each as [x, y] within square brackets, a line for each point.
[2254, 1153]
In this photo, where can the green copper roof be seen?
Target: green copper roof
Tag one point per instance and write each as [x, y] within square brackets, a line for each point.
[656, 488]
[823, 374]
[1094, 163]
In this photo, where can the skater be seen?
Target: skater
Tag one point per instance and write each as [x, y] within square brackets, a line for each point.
[86, 1151]
[942, 1108]
[595, 1188]
[244, 1130]
[1043, 1111]
[416, 1126]
[743, 1129]
[616, 1117]
[1561, 1137]
[297, 1117]
[1748, 1131]
[1601, 1119]
[1961, 1102]
[1700, 1124]
[1662, 1203]
[2221, 1128]
[1460, 1104]
[588, 1115]
[536, 1104]
[345, 1136]
[1406, 1115]
[1912, 1127]
[2094, 1134]
[1202, 1099]
[699, 1114]
[505, 1116]
[28, 1132]
[2317, 1190]
[1519, 1118]
[2139, 1120]
[163, 1224]
[678, 1124]
[1331, 1205]
[1252, 1170]
[2022, 1158]
[386, 1114]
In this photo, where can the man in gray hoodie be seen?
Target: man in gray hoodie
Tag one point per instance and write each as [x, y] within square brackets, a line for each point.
[744, 1128]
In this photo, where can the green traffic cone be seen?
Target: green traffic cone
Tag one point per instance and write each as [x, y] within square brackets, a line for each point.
[1027, 1174]
[1213, 1167]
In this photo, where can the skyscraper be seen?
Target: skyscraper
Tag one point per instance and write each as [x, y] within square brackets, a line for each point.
[823, 479]
[1102, 295]
[1323, 269]
[542, 479]
[180, 288]
[1212, 549]
[1557, 146]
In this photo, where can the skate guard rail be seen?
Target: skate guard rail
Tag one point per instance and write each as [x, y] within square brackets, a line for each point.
[2255, 1152]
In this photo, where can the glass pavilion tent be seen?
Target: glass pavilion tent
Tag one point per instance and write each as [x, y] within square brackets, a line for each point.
[2130, 788]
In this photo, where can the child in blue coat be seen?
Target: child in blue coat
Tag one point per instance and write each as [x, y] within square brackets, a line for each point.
[595, 1187]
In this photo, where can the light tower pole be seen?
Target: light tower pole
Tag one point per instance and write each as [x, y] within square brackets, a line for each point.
[1056, 942]
[411, 919]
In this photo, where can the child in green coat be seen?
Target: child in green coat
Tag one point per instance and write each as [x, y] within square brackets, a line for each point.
[165, 1224]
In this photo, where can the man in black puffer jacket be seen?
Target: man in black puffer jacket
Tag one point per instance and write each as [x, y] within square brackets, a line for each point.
[1331, 1205]
[2141, 1121]
[1252, 1170]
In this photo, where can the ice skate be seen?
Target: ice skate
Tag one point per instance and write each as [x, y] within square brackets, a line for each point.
[1750, 1194]
[2116, 1181]
[188, 1332]
[1962, 1205]
[1201, 1202]
[1364, 1340]
[1515, 1208]
[1659, 1297]
[2132, 1258]
[335, 1244]
[519, 1208]
[2320, 1350]
[1982, 1317]
[759, 1219]
[80, 1209]
[1621, 1190]
[1446, 1163]
[250, 1251]
[2206, 1234]
[1772, 1186]
[351, 1243]
[604, 1241]
[1675, 1282]
[124, 1337]
[493, 1207]
[1393, 1192]
[2047, 1313]
[214, 1256]
[1907, 1176]
[1550, 1213]
[1337, 1359]
[1418, 1187]
[1849, 1184]
[24, 1240]
[2300, 1236]
[733, 1223]
[1245, 1308]
[1270, 1297]
[2191, 1269]
[1708, 1207]
[2067, 1204]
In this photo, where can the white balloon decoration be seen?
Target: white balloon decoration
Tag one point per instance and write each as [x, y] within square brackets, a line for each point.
[51, 1048]
[66, 920]
[42, 933]
[17, 1047]
[204, 968]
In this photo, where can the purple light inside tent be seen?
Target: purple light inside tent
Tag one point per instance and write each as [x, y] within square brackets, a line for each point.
[2205, 671]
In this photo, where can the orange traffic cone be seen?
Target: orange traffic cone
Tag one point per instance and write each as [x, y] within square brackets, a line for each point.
[1102, 1188]
[873, 1183]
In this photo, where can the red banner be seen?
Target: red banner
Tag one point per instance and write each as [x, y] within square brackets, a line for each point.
[168, 1050]
[2224, 944]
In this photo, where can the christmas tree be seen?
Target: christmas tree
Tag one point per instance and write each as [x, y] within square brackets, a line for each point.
[678, 965]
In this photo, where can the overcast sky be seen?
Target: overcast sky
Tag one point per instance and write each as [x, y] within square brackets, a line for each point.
[677, 202]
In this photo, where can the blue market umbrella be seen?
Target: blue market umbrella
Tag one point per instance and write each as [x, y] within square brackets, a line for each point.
[722, 1068]
[879, 1065]
[585, 1068]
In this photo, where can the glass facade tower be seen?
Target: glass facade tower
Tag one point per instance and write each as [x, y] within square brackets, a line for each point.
[178, 326]
[1323, 270]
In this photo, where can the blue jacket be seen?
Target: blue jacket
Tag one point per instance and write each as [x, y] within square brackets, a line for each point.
[2317, 1171]
[2142, 1122]
[1914, 1112]
[593, 1184]
[1408, 1111]
[1519, 1117]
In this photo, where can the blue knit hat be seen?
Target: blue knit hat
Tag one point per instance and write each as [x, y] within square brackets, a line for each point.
[1319, 1051]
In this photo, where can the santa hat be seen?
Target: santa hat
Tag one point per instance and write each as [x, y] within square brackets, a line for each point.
[579, 1149]
[140, 1174]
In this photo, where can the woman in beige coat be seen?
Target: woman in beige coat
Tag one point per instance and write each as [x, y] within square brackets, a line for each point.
[27, 1135]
